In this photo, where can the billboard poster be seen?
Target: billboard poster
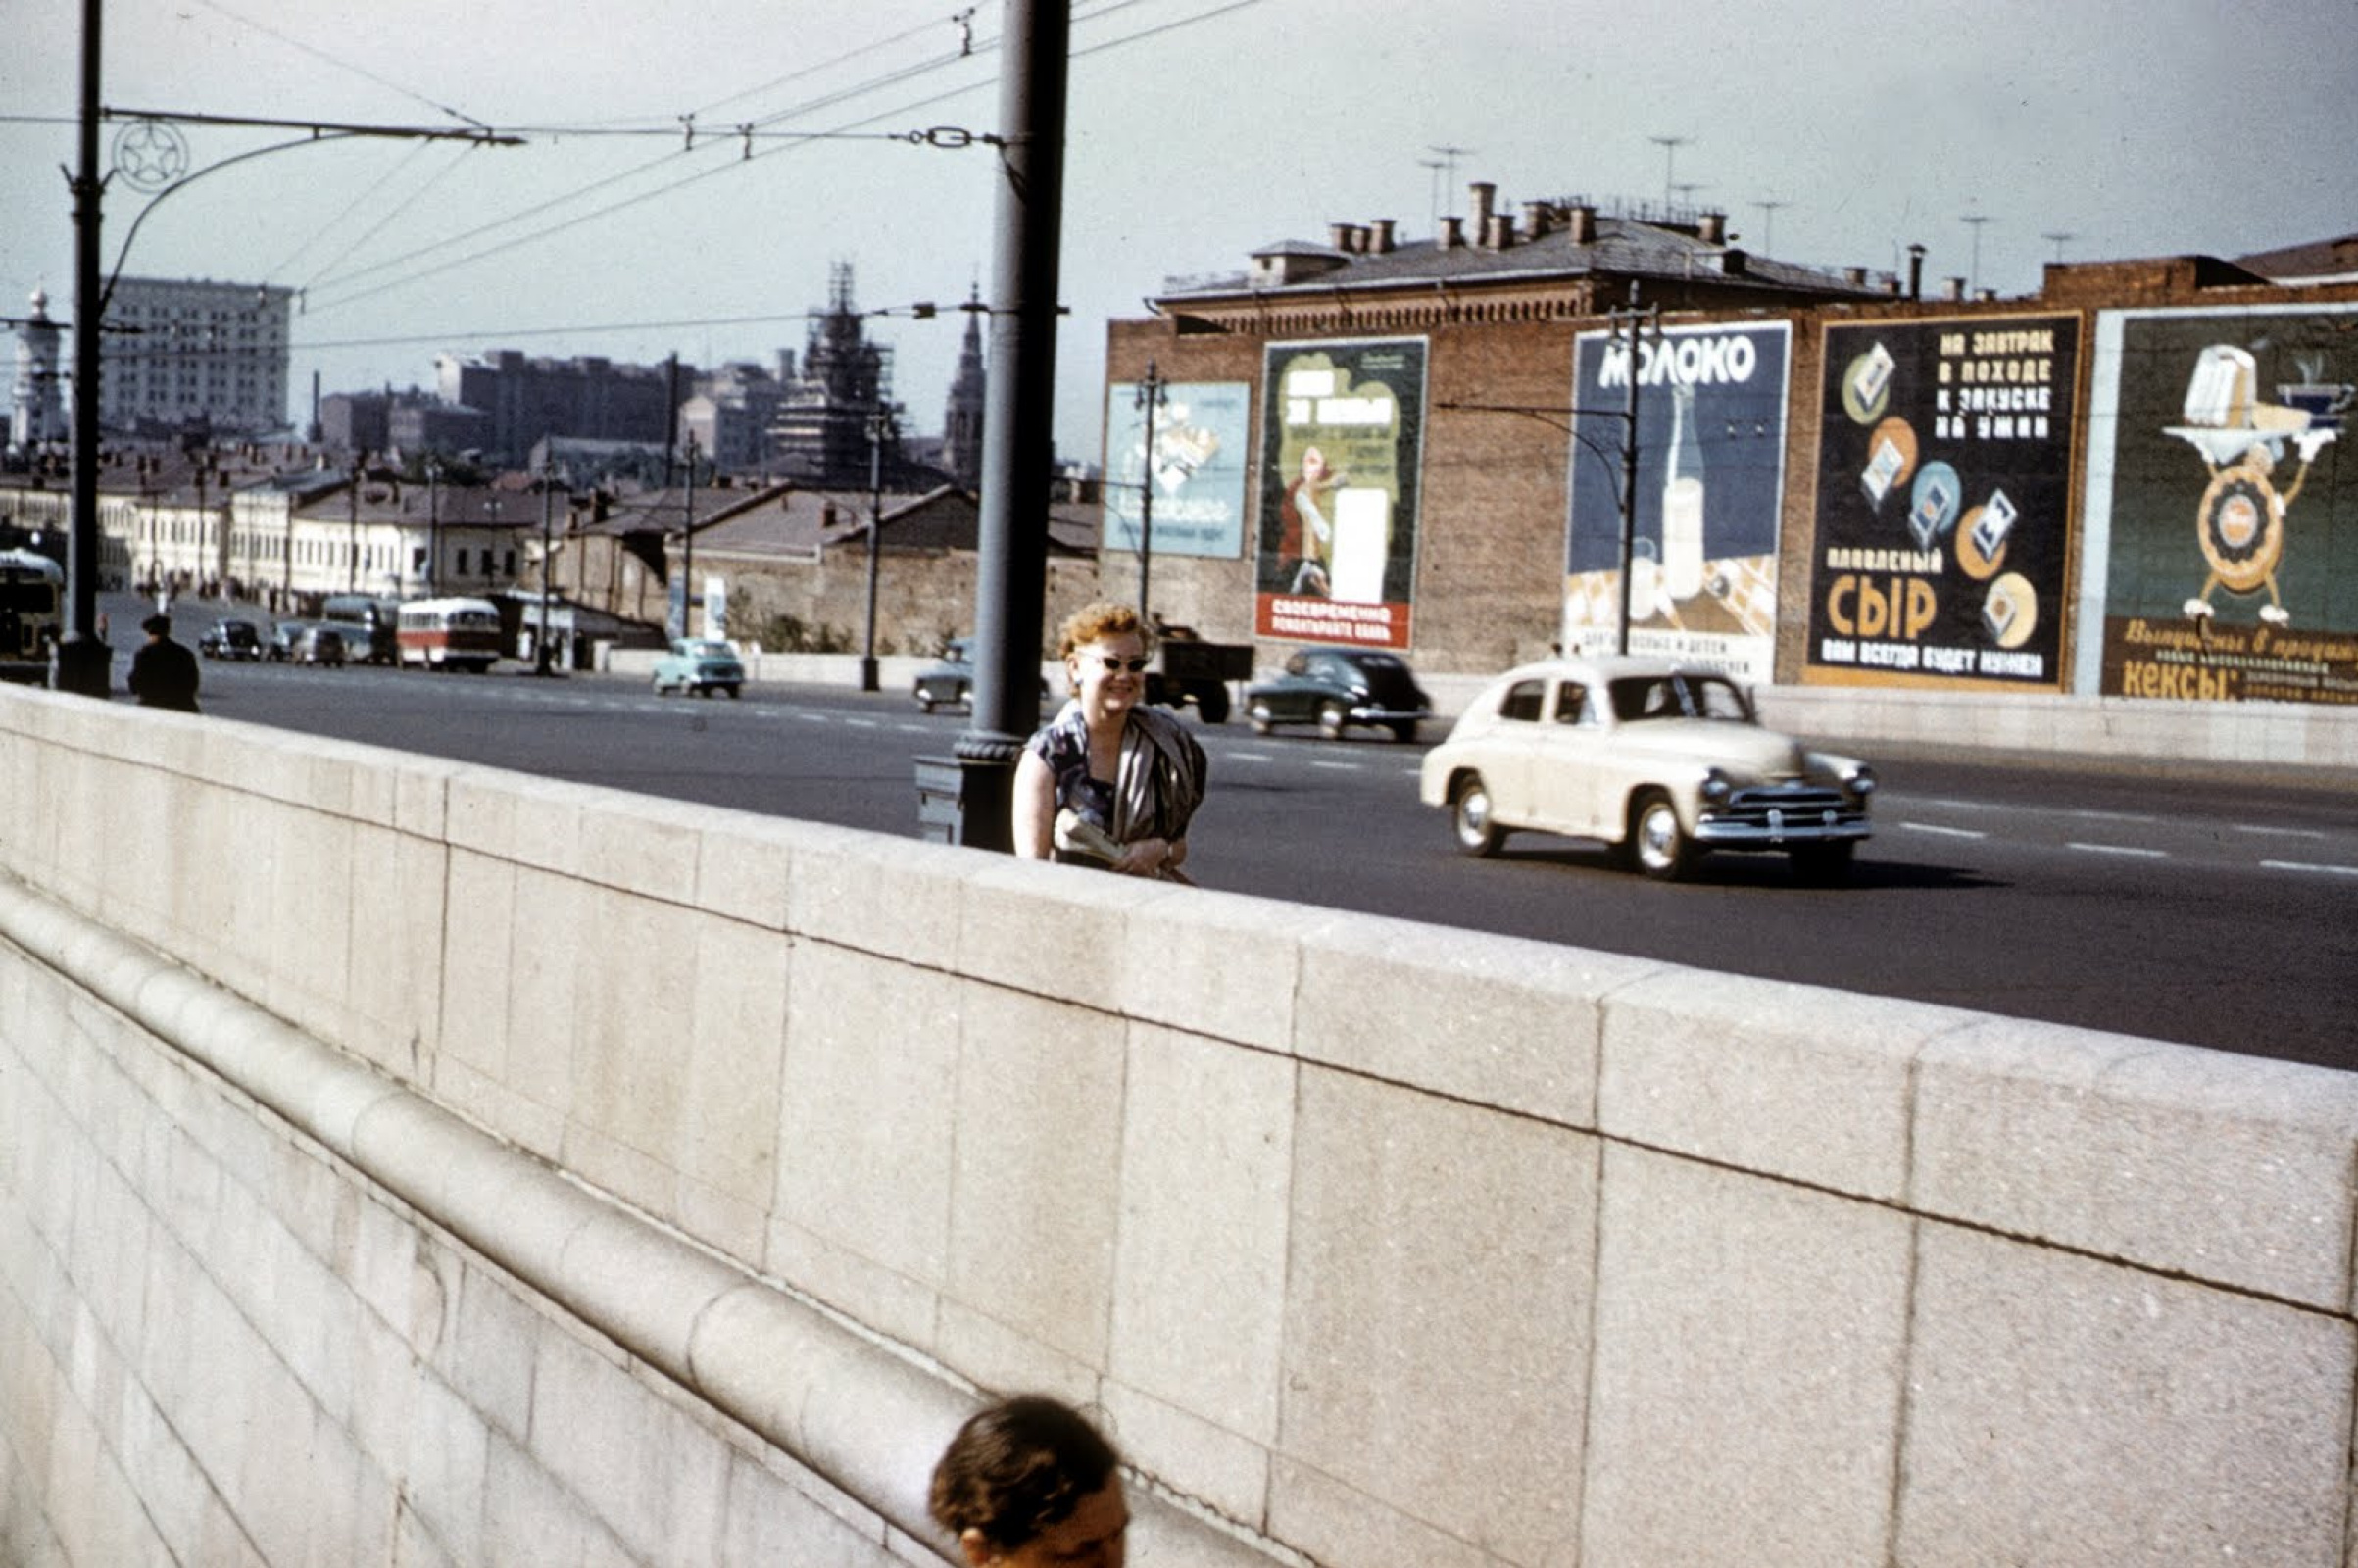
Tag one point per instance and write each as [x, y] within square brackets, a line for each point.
[1943, 505]
[1194, 476]
[1710, 486]
[2220, 536]
[1342, 454]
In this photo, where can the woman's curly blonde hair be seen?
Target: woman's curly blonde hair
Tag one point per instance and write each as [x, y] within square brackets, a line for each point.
[1104, 619]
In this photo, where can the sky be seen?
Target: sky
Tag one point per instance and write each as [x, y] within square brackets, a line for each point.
[1199, 132]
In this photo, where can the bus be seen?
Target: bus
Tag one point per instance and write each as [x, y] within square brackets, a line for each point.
[366, 624]
[449, 634]
[33, 603]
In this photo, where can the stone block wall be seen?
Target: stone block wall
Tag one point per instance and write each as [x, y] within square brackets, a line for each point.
[758, 1145]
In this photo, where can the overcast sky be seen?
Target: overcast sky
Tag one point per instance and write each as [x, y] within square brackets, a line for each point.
[1200, 131]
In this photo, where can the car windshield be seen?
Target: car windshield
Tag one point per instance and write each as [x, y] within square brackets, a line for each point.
[1644, 697]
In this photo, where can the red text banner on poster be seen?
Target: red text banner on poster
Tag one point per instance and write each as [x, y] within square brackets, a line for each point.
[1328, 621]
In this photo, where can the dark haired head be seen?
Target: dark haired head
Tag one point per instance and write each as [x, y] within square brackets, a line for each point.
[1017, 1468]
[156, 625]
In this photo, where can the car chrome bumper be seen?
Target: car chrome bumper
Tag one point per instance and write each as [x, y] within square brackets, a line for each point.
[1388, 715]
[1783, 827]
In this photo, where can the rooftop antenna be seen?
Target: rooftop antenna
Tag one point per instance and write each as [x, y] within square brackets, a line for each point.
[1433, 182]
[2057, 239]
[1448, 157]
[1768, 222]
[1975, 220]
[1670, 146]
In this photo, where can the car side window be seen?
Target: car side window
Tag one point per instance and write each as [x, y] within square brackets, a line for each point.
[1571, 703]
[1522, 702]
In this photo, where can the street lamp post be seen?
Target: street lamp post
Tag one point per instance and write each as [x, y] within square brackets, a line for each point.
[540, 644]
[1150, 397]
[882, 430]
[433, 523]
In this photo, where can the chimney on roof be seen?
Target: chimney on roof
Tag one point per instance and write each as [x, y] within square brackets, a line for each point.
[1453, 233]
[1535, 219]
[1379, 236]
[1915, 271]
[1986, 295]
[1713, 228]
[1583, 223]
[1499, 234]
[1855, 276]
[1956, 289]
[1735, 262]
[1480, 195]
[1339, 236]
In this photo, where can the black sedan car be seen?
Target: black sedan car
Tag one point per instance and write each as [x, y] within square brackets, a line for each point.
[231, 639]
[1336, 688]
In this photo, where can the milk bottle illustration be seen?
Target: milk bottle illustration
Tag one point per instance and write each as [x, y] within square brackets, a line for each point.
[1683, 501]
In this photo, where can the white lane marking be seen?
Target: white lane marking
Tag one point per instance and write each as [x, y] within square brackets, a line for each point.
[864, 723]
[1945, 832]
[2120, 849]
[2277, 832]
[1338, 767]
[810, 717]
[2303, 865]
[914, 729]
[1247, 757]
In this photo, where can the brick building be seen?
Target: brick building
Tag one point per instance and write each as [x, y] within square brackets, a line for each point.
[2127, 483]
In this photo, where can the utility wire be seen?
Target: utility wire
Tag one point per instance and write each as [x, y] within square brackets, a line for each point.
[360, 71]
[787, 142]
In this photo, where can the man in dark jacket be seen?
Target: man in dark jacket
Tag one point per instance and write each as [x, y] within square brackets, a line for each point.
[163, 673]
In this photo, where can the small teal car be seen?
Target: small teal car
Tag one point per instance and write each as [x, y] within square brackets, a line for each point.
[699, 667]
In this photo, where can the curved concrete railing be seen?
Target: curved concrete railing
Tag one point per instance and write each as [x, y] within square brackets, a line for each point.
[868, 1419]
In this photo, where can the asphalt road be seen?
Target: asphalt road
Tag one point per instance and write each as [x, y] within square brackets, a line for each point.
[2213, 912]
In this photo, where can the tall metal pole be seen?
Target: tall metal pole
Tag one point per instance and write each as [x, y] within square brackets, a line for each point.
[540, 644]
[433, 525]
[687, 554]
[1019, 426]
[84, 663]
[1630, 316]
[1150, 396]
[881, 429]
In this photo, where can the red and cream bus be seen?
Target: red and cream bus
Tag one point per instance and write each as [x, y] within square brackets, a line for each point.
[449, 634]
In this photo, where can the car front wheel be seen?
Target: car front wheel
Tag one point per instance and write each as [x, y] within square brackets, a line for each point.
[1331, 720]
[1477, 832]
[1259, 716]
[1658, 844]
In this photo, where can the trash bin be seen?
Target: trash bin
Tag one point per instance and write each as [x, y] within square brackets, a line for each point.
[940, 787]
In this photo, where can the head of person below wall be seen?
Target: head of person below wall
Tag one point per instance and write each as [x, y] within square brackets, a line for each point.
[1029, 1482]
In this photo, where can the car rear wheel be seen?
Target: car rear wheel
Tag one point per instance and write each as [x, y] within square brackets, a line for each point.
[731, 689]
[1658, 844]
[1332, 719]
[1823, 864]
[1257, 716]
[1469, 814]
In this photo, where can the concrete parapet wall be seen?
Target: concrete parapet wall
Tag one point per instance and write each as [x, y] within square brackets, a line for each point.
[756, 1144]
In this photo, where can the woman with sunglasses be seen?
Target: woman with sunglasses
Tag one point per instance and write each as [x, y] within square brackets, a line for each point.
[1110, 781]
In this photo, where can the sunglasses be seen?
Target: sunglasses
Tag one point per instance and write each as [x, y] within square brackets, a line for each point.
[1114, 663]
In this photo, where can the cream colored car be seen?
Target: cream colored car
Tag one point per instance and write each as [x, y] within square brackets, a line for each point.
[1661, 761]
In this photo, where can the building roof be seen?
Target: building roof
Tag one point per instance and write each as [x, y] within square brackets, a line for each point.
[1612, 246]
[2320, 260]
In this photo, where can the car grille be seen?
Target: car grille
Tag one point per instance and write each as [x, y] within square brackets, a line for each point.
[1783, 805]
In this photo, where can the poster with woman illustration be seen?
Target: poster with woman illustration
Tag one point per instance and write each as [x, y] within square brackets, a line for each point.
[1342, 437]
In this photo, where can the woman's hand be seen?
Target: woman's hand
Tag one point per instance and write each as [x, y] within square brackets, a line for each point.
[1146, 858]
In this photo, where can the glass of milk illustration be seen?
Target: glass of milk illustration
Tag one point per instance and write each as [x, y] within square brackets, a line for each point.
[1683, 502]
